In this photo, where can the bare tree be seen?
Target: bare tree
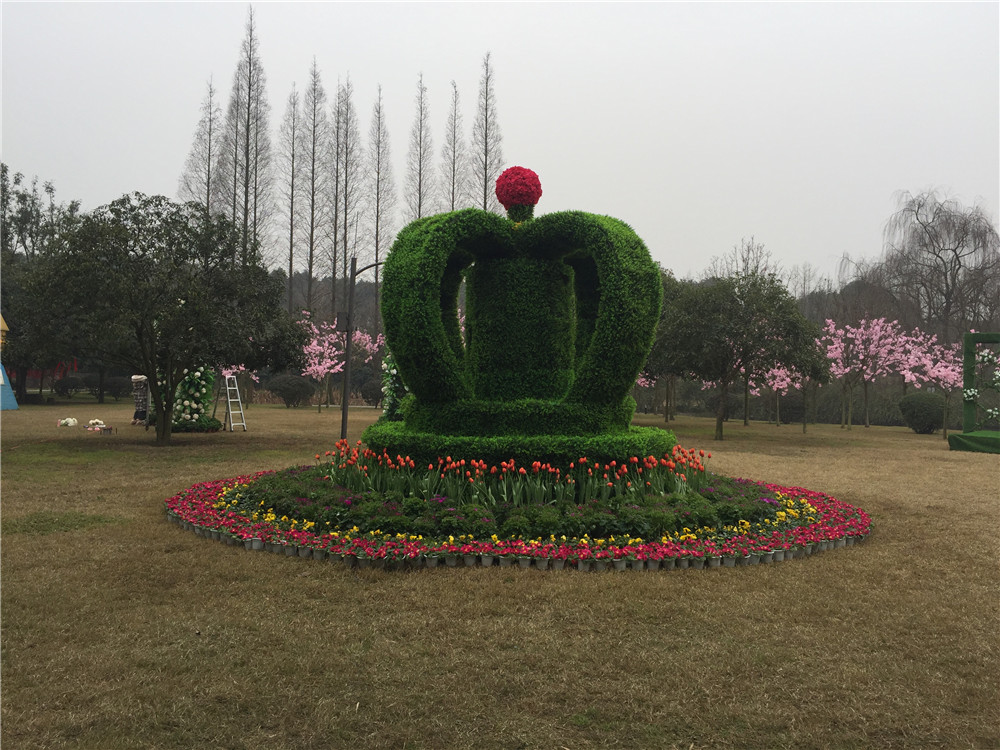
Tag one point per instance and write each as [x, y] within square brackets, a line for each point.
[487, 155]
[198, 181]
[348, 190]
[454, 160]
[290, 167]
[316, 176]
[419, 173]
[245, 158]
[941, 258]
[381, 187]
[749, 258]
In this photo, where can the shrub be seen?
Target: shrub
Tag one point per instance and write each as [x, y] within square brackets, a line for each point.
[117, 387]
[294, 390]
[371, 391]
[923, 412]
[68, 386]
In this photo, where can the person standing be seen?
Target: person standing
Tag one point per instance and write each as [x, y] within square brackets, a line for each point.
[140, 395]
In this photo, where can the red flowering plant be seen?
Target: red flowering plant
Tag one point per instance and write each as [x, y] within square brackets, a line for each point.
[518, 190]
[245, 508]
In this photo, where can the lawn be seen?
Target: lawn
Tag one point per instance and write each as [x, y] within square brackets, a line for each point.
[120, 630]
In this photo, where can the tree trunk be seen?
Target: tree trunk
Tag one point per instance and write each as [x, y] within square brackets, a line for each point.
[868, 422]
[850, 407]
[100, 384]
[720, 412]
[805, 411]
[777, 409]
[746, 402]
[947, 399]
[22, 383]
[164, 421]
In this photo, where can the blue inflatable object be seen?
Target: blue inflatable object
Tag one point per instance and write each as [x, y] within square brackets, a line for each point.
[7, 400]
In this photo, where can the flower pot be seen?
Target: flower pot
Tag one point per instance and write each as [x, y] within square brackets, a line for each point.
[697, 563]
[216, 536]
[470, 560]
[506, 561]
[432, 562]
[849, 541]
[291, 550]
[583, 566]
[486, 561]
[840, 543]
[451, 560]
[364, 562]
[729, 562]
[319, 554]
[524, 562]
[669, 563]
[753, 559]
[779, 555]
[638, 565]
[256, 543]
[682, 563]
[542, 563]
[652, 565]
[305, 552]
[713, 562]
[620, 563]
[767, 557]
[600, 566]
[248, 544]
[558, 564]
[809, 549]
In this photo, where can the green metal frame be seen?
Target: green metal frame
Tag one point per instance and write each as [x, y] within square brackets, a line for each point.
[969, 350]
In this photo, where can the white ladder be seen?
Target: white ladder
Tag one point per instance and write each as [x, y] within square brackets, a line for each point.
[233, 397]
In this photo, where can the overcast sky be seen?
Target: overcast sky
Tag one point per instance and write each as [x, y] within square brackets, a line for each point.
[697, 123]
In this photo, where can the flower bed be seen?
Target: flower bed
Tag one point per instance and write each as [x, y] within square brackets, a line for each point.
[802, 522]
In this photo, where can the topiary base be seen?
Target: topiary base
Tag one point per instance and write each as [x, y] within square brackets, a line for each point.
[557, 450]
[475, 417]
[982, 441]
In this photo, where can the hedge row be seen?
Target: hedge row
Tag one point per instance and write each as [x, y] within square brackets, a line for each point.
[557, 450]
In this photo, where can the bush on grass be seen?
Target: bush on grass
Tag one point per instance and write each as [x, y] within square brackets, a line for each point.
[923, 412]
[294, 390]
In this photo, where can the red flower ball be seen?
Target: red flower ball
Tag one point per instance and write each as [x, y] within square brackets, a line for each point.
[518, 186]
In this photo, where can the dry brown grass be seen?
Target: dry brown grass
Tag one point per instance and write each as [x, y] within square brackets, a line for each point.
[136, 634]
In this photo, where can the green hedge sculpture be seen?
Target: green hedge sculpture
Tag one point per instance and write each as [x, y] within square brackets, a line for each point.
[561, 312]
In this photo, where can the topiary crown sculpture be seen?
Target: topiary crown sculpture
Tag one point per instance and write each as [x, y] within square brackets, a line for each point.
[560, 316]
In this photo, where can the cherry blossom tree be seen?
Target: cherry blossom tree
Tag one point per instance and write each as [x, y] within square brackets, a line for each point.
[928, 362]
[860, 354]
[324, 351]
